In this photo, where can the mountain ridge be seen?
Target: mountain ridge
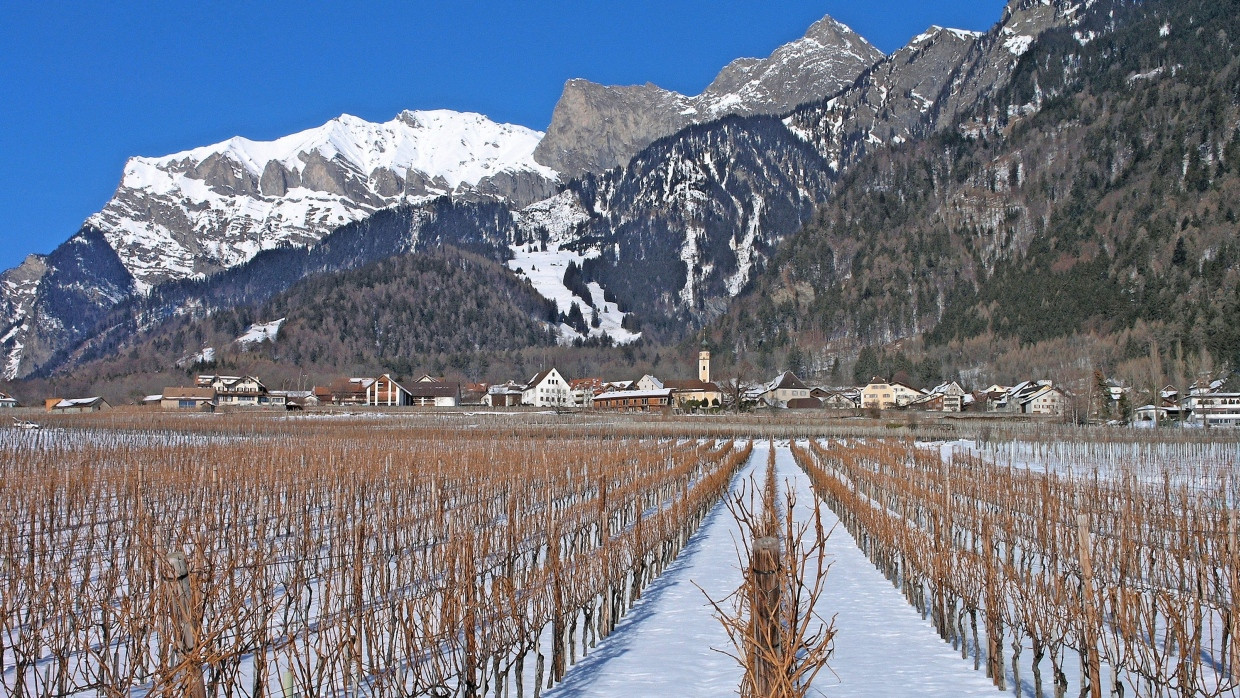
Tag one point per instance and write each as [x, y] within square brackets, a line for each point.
[596, 127]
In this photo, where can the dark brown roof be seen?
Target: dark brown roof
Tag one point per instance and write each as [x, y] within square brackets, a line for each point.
[175, 393]
[804, 403]
[426, 389]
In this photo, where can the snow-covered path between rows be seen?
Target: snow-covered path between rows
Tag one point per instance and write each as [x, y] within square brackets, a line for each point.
[666, 645]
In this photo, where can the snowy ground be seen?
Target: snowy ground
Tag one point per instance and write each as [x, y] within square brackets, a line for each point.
[667, 644]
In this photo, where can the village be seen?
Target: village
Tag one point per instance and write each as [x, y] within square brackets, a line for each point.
[1207, 403]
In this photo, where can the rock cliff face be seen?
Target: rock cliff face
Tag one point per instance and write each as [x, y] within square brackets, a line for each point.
[597, 127]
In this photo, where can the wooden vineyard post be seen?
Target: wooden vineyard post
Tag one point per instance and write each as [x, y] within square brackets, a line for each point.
[1233, 562]
[994, 623]
[358, 604]
[185, 630]
[468, 573]
[764, 602]
[1088, 635]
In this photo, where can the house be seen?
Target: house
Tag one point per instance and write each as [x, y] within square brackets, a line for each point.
[78, 405]
[506, 395]
[1208, 406]
[196, 399]
[239, 391]
[584, 390]
[385, 391]
[785, 387]
[1148, 415]
[954, 397]
[884, 395]
[472, 393]
[7, 401]
[345, 391]
[635, 400]
[1010, 399]
[836, 399]
[930, 402]
[299, 399]
[1045, 400]
[695, 392]
[1169, 396]
[647, 382]
[548, 389]
[432, 393]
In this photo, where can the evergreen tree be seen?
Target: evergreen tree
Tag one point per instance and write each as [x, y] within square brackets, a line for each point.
[866, 367]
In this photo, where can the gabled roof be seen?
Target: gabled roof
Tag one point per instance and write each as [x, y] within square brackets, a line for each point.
[178, 393]
[437, 389]
[652, 378]
[786, 381]
[1039, 392]
[539, 377]
[79, 402]
[341, 386]
[508, 388]
[946, 388]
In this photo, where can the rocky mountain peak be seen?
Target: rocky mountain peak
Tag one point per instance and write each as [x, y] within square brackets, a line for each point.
[595, 128]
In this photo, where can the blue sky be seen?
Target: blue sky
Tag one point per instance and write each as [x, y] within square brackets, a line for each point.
[87, 86]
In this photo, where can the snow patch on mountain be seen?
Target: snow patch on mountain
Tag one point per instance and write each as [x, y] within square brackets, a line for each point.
[260, 332]
[550, 226]
[544, 269]
[1018, 44]
[207, 355]
[935, 31]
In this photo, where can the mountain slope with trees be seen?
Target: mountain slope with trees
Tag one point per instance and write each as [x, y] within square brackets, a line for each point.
[1088, 205]
[445, 309]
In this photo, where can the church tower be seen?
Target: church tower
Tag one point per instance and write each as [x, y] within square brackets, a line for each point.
[704, 364]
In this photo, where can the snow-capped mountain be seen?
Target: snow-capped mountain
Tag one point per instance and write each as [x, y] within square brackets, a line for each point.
[193, 213]
[671, 237]
[596, 127]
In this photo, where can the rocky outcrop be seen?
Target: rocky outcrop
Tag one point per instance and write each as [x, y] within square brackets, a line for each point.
[596, 127]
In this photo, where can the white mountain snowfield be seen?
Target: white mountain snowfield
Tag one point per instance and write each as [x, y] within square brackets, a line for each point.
[266, 193]
[544, 264]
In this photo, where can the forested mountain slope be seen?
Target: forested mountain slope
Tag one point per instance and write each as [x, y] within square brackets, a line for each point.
[1092, 201]
[408, 312]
